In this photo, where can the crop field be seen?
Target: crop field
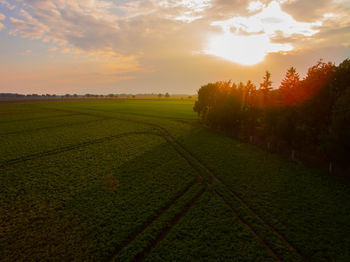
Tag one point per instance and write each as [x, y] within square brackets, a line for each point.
[144, 180]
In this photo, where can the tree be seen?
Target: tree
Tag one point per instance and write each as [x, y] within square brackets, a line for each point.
[339, 144]
[249, 90]
[167, 95]
[314, 116]
[206, 99]
[317, 103]
[267, 83]
[289, 86]
[265, 87]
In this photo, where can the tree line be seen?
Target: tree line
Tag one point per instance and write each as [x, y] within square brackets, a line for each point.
[311, 115]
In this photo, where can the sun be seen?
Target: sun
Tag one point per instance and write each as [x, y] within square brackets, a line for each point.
[248, 39]
[245, 50]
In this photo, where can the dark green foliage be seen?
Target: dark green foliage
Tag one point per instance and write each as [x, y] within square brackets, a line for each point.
[124, 180]
[210, 232]
[339, 144]
[308, 207]
[149, 235]
[76, 186]
[310, 115]
[220, 106]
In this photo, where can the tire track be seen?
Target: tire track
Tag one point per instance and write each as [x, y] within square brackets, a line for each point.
[281, 236]
[198, 178]
[169, 137]
[71, 147]
[173, 222]
[150, 222]
[175, 219]
[38, 118]
[141, 256]
[182, 120]
[51, 127]
[250, 228]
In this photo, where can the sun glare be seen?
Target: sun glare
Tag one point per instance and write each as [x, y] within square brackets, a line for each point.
[247, 40]
[245, 50]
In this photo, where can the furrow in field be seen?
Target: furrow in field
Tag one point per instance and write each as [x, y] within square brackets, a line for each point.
[199, 177]
[159, 212]
[175, 219]
[141, 256]
[195, 162]
[281, 236]
[190, 160]
[183, 120]
[249, 227]
[39, 118]
[52, 127]
[144, 227]
[69, 148]
[242, 201]
[70, 111]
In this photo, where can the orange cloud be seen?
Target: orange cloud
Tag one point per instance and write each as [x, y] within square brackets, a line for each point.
[2, 18]
[7, 4]
[138, 40]
[65, 51]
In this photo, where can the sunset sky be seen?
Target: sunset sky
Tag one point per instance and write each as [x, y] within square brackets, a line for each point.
[175, 46]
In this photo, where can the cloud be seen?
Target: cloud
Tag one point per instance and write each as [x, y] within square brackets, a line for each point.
[132, 27]
[269, 20]
[7, 4]
[52, 49]
[83, 73]
[186, 10]
[27, 52]
[248, 39]
[2, 18]
[135, 27]
[96, 25]
[136, 38]
[86, 27]
[334, 16]
[255, 6]
[65, 51]
[307, 10]
[27, 29]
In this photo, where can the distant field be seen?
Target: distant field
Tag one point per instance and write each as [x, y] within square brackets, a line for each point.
[143, 180]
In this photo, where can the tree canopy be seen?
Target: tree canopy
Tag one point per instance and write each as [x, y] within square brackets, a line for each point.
[310, 114]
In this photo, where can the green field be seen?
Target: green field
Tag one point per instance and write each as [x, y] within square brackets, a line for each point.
[144, 180]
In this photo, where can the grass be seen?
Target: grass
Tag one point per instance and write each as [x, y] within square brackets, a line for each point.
[143, 179]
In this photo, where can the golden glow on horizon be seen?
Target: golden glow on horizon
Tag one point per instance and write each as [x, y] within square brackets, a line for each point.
[247, 40]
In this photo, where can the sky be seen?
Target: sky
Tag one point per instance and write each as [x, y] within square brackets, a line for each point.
[158, 46]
